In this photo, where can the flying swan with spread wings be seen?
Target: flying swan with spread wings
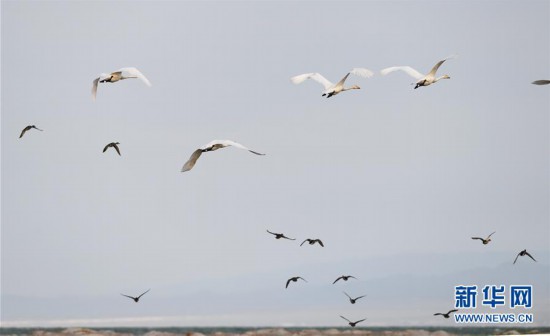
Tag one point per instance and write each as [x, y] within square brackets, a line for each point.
[421, 80]
[332, 89]
[120, 74]
[212, 146]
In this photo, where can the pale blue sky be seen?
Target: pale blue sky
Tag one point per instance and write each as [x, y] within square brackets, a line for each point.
[389, 177]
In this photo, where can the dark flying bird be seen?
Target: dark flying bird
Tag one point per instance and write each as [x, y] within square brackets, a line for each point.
[352, 324]
[523, 253]
[313, 241]
[294, 279]
[136, 299]
[28, 128]
[280, 235]
[448, 314]
[209, 147]
[354, 300]
[486, 240]
[541, 82]
[114, 145]
[344, 277]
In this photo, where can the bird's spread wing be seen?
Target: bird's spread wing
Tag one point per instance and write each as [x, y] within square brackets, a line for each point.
[303, 242]
[351, 276]
[117, 149]
[477, 238]
[341, 82]
[530, 256]
[104, 149]
[360, 321]
[302, 279]
[362, 296]
[135, 72]
[315, 76]
[287, 282]
[438, 314]
[271, 232]
[144, 293]
[320, 242]
[489, 236]
[347, 295]
[517, 258]
[361, 72]
[336, 280]
[410, 71]
[226, 143]
[23, 132]
[345, 318]
[452, 311]
[94, 88]
[128, 296]
[541, 82]
[434, 69]
[192, 160]
[285, 237]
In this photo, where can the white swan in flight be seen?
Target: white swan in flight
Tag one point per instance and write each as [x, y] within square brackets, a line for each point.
[332, 89]
[212, 146]
[421, 80]
[120, 74]
[541, 82]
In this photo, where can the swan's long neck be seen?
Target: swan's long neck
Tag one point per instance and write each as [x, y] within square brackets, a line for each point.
[442, 77]
[354, 87]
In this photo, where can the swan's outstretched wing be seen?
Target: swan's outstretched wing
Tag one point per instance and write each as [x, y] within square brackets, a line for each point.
[361, 72]
[315, 76]
[541, 82]
[133, 72]
[434, 69]
[192, 160]
[94, 88]
[226, 143]
[410, 71]
[345, 318]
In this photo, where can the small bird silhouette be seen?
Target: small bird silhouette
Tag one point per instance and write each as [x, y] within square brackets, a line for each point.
[294, 279]
[280, 235]
[354, 300]
[313, 241]
[486, 240]
[114, 145]
[523, 253]
[136, 299]
[28, 128]
[448, 314]
[352, 324]
[345, 278]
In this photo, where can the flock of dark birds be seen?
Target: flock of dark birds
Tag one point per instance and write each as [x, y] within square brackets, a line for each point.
[330, 90]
